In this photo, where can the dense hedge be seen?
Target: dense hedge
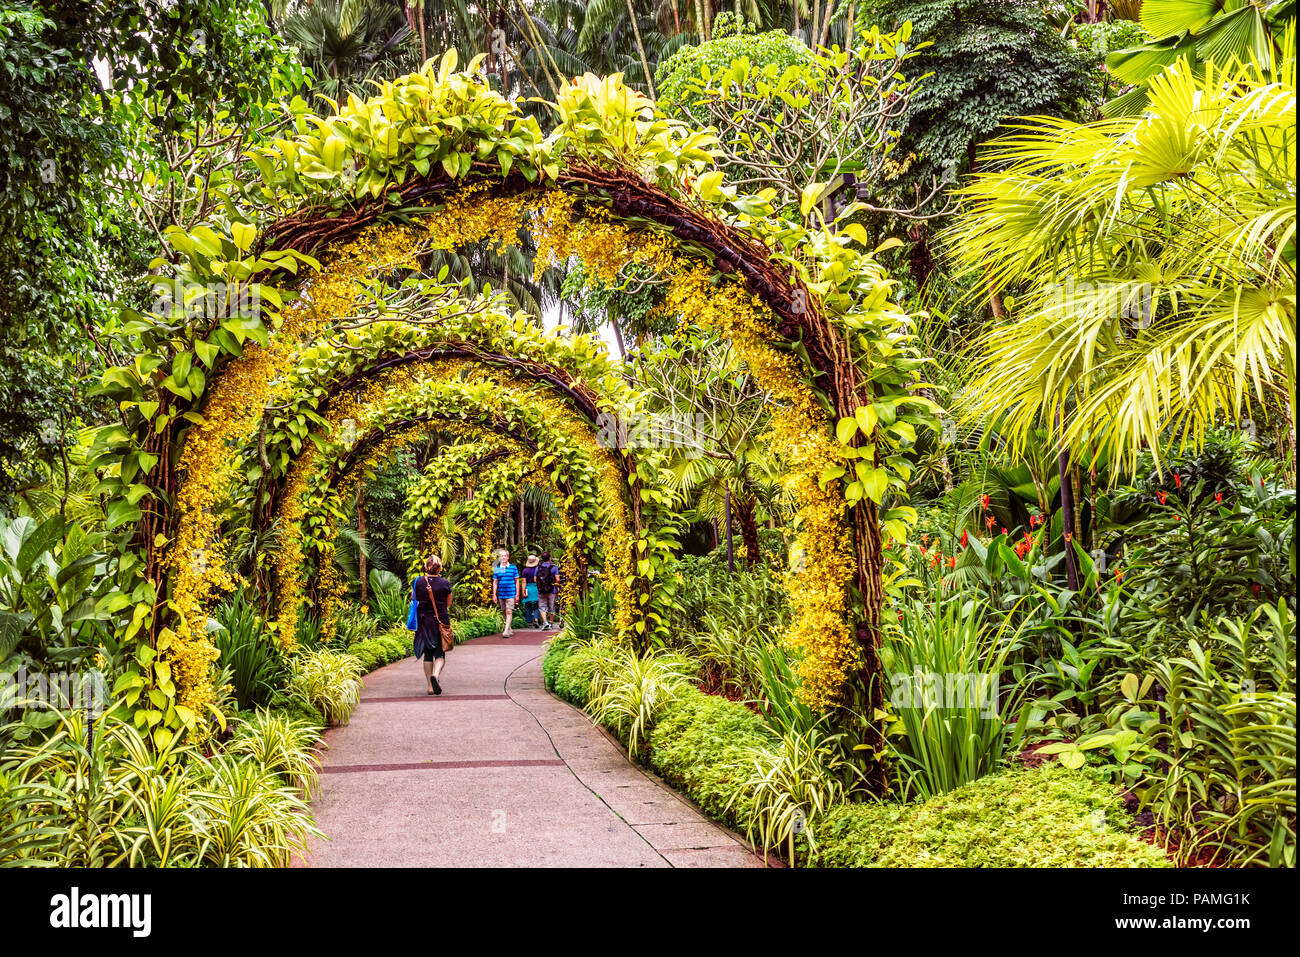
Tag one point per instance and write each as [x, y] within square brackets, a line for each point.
[1048, 817]
[697, 746]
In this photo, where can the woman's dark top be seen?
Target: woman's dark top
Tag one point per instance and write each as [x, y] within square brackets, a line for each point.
[441, 589]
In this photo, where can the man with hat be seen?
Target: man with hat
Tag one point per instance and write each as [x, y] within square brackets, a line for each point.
[529, 573]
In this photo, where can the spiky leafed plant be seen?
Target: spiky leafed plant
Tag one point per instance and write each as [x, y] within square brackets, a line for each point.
[1200, 31]
[1157, 256]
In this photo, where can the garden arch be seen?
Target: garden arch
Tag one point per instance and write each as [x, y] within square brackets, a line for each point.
[459, 469]
[439, 154]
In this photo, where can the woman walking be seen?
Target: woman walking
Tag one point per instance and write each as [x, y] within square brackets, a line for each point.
[433, 638]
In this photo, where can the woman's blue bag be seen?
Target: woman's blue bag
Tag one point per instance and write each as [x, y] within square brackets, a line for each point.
[412, 622]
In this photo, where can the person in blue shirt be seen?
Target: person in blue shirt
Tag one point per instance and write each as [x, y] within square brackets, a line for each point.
[506, 588]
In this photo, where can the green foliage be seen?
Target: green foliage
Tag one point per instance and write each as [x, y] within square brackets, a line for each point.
[1222, 733]
[572, 669]
[1198, 32]
[730, 42]
[589, 616]
[943, 668]
[1144, 314]
[476, 623]
[635, 691]
[793, 784]
[1194, 556]
[110, 799]
[251, 658]
[382, 649]
[329, 681]
[282, 745]
[57, 604]
[67, 235]
[389, 599]
[989, 60]
[726, 620]
[1049, 817]
[700, 745]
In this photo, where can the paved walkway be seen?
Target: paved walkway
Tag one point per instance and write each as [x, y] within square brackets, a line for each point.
[496, 772]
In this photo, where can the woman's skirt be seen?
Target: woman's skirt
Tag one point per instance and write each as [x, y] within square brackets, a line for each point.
[428, 637]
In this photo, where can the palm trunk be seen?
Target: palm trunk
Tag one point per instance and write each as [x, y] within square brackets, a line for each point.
[1067, 507]
[748, 530]
[618, 337]
[361, 552]
[640, 48]
[731, 554]
[826, 24]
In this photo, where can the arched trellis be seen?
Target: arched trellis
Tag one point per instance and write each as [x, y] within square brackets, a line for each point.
[808, 309]
[561, 443]
[461, 468]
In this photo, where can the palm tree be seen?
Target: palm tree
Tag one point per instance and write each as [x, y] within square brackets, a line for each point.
[1157, 255]
[1218, 31]
[344, 44]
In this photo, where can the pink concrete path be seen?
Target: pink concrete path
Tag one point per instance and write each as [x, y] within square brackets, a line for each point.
[496, 772]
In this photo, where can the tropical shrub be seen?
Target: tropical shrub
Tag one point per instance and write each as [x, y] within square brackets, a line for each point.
[329, 681]
[251, 657]
[943, 668]
[115, 799]
[282, 745]
[1047, 817]
[477, 623]
[793, 782]
[1220, 726]
[700, 745]
[389, 600]
[632, 690]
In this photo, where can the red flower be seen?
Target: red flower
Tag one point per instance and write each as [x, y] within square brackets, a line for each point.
[989, 522]
[1004, 531]
[1162, 495]
[952, 561]
[934, 562]
[984, 502]
[1177, 517]
[1218, 497]
[1119, 573]
[964, 539]
[1178, 480]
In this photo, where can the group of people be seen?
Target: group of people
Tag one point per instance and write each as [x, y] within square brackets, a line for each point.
[538, 583]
